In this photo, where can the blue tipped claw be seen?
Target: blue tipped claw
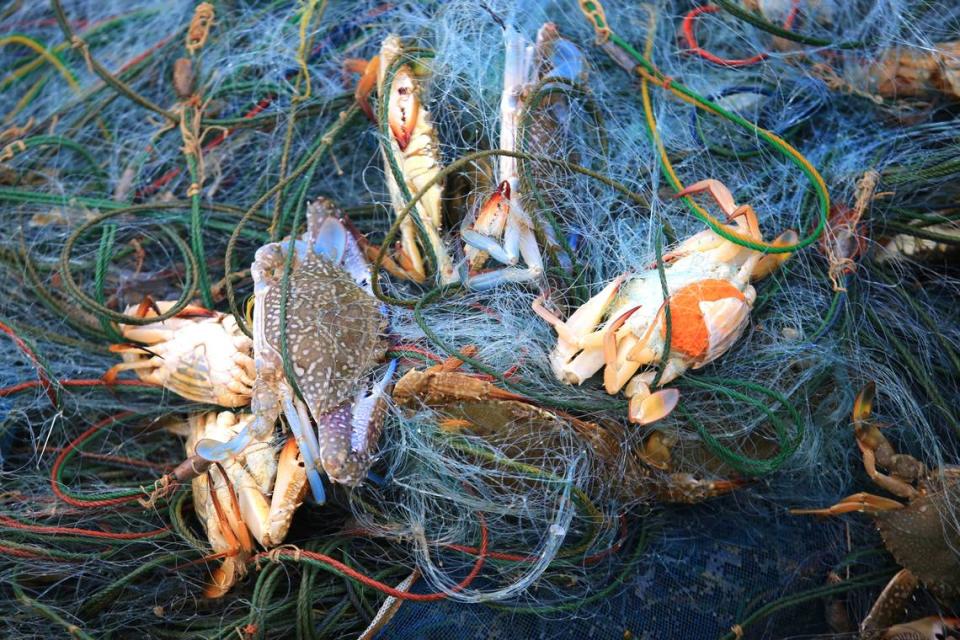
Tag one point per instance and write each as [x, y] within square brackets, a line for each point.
[217, 451]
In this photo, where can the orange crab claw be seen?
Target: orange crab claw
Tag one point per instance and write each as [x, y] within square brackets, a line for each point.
[404, 106]
[863, 405]
[496, 201]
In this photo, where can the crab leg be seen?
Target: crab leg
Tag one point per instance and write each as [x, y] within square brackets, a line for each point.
[111, 374]
[269, 521]
[579, 351]
[503, 212]
[227, 533]
[299, 421]
[858, 502]
[413, 145]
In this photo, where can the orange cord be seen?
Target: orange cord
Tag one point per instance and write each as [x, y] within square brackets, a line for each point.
[693, 46]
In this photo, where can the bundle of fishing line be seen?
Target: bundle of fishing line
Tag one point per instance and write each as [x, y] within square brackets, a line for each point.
[501, 166]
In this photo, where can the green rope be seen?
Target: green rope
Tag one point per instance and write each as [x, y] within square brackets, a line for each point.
[746, 465]
[47, 612]
[92, 305]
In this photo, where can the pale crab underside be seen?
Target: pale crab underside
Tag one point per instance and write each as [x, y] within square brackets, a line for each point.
[623, 328]
[251, 496]
[334, 330]
[200, 355]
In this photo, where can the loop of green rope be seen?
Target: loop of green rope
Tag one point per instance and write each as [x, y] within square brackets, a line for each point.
[616, 47]
[36, 142]
[788, 443]
[107, 495]
[91, 304]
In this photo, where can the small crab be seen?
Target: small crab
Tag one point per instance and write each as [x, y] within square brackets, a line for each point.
[413, 144]
[844, 238]
[709, 298]
[502, 229]
[915, 533]
[522, 430]
[334, 328]
[250, 496]
[198, 354]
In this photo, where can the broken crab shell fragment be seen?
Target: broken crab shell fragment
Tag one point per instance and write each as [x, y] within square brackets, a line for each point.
[623, 327]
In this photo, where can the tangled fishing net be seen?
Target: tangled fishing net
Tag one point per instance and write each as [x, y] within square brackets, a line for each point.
[127, 173]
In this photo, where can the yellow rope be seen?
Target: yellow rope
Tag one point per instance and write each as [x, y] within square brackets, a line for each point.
[668, 166]
[305, 19]
[43, 53]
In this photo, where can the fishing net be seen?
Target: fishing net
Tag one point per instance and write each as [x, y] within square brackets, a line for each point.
[126, 172]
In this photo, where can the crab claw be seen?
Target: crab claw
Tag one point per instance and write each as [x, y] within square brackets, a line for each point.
[349, 434]
[489, 225]
[772, 261]
[649, 408]
[863, 405]
[404, 106]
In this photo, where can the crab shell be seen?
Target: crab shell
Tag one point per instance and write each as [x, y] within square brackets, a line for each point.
[709, 308]
[922, 542]
[204, 358]
[709, 311]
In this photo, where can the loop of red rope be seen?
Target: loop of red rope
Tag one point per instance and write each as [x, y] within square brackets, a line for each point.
[693, 45]
[380, 586]
[55, 484]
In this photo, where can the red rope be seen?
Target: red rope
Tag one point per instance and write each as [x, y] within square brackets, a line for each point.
[693, 46]
[70, 531]
[380, 586]
[55, 483]
[42, 379]
[22, 553]
[72, 382]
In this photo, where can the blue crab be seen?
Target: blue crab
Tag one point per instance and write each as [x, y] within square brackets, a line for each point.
[915, 533]
[334, 338]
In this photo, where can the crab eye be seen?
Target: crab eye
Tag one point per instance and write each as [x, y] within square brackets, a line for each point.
[248, 311]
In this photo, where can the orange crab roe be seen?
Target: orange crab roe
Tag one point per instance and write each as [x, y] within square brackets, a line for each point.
[689, 334]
